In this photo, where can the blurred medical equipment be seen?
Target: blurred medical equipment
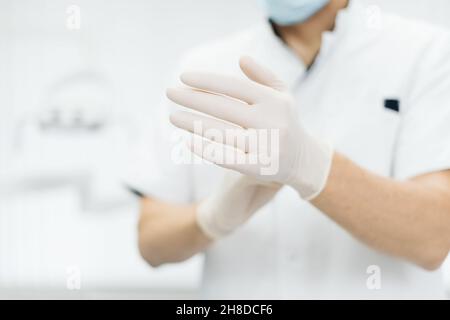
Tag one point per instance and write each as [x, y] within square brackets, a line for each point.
[81, 102]
[74, 138]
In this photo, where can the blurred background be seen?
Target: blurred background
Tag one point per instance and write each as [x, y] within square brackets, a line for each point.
[79, 82]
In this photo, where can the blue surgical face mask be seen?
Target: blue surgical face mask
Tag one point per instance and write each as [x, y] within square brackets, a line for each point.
[288, 12]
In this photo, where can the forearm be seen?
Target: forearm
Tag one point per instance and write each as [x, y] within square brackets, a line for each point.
[169, 233]
[406, 219]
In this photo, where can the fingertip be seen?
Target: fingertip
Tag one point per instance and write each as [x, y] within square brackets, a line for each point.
[170, 93]
[177, 95]
[187, 77]
[245, 58]
[179, 119]
[173, 118]
[244, 61]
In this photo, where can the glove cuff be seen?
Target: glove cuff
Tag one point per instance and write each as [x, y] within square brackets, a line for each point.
[313, 169]
[233, 203]
[227, 207]
[205, 220]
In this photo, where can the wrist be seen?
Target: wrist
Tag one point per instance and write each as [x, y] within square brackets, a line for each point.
[314, 166]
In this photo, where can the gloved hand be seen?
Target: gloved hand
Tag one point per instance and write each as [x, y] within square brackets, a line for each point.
[258, 106]
[232, 204]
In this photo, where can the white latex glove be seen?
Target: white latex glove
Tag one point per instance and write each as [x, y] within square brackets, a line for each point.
[232, 204]
[261, 105]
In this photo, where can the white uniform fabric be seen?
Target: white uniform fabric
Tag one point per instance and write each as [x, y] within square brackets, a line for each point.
[289, 249]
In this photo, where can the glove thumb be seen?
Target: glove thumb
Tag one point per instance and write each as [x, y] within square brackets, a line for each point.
[260, 74]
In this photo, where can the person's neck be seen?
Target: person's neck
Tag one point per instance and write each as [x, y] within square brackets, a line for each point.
[305, 38]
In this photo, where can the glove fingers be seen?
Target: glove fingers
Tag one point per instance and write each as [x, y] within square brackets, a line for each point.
[212, 129]
[214, 105]
[238, 88]
[224, 156]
